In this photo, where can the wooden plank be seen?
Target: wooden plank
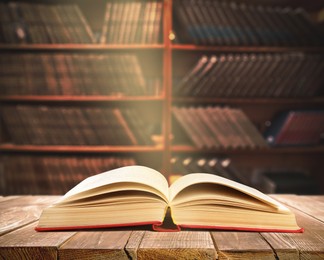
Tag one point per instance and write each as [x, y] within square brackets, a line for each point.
[177, 245]
[21, 211]
[245, 245]
[307, 245]
[20, 201]
[16, 217]
[134, 243]
[311, 205]
[96, 244]
[26, 243]
[284, 248]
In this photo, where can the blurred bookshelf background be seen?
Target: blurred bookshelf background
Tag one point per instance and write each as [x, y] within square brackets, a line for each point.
[230, 88]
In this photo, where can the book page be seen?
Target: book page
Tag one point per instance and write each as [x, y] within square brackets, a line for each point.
[134, 174]
[196, 178]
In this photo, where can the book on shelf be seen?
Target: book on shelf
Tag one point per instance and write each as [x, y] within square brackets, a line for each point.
[296, 127]
[132, 22]
[217, 127]
[205, 22]
[138, 195]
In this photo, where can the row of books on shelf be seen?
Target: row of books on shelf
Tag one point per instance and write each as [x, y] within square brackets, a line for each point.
[269, 180]
[215, 127]
[47, 125]
[224, 167]
[125, 22]
[206, 22]
[75, 74]
[52, 174]
[25, 22]
[296, 128]
[253, 75]
[218, 127]
[210, 127]
[202, 22]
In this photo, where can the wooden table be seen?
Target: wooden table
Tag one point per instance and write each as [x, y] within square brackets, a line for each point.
[19, 240]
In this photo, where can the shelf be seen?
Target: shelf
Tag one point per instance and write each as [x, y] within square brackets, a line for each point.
[254, 101]
[78, 149]
[58, 99]
[80, 47]
[270, 150]
[181, 47]
[189, 47]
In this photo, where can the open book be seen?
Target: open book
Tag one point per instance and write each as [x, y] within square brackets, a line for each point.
[138, 195]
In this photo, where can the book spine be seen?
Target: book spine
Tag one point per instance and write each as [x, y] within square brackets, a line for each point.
[158, 23]
[185, 124]
[84, 29]
[195, 85]
[220, 129]
[106, 24]
[125, 16]
[124, 125]
[185, 81]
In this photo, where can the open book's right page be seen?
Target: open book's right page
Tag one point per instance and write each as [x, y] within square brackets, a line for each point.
[199, 178]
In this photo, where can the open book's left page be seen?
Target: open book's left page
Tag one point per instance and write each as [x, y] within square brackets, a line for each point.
[128, 178]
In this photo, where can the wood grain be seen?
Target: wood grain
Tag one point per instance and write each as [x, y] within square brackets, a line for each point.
[177, 245]
[28, 201]
[26, 243]
[96, 245]
[242, 245]
[21, 241]
[307, 245]
[20, 211]
[284, 248]
[134, 243]
[311, 205]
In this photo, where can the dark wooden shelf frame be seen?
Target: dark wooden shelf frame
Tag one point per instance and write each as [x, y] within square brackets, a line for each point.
[79, 149]
[256, 101]
[89, 98]
[274, 49]
[79, 47]
[269, 150]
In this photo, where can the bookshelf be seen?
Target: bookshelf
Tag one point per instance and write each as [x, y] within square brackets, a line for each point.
[259, 109]
[168, 59]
